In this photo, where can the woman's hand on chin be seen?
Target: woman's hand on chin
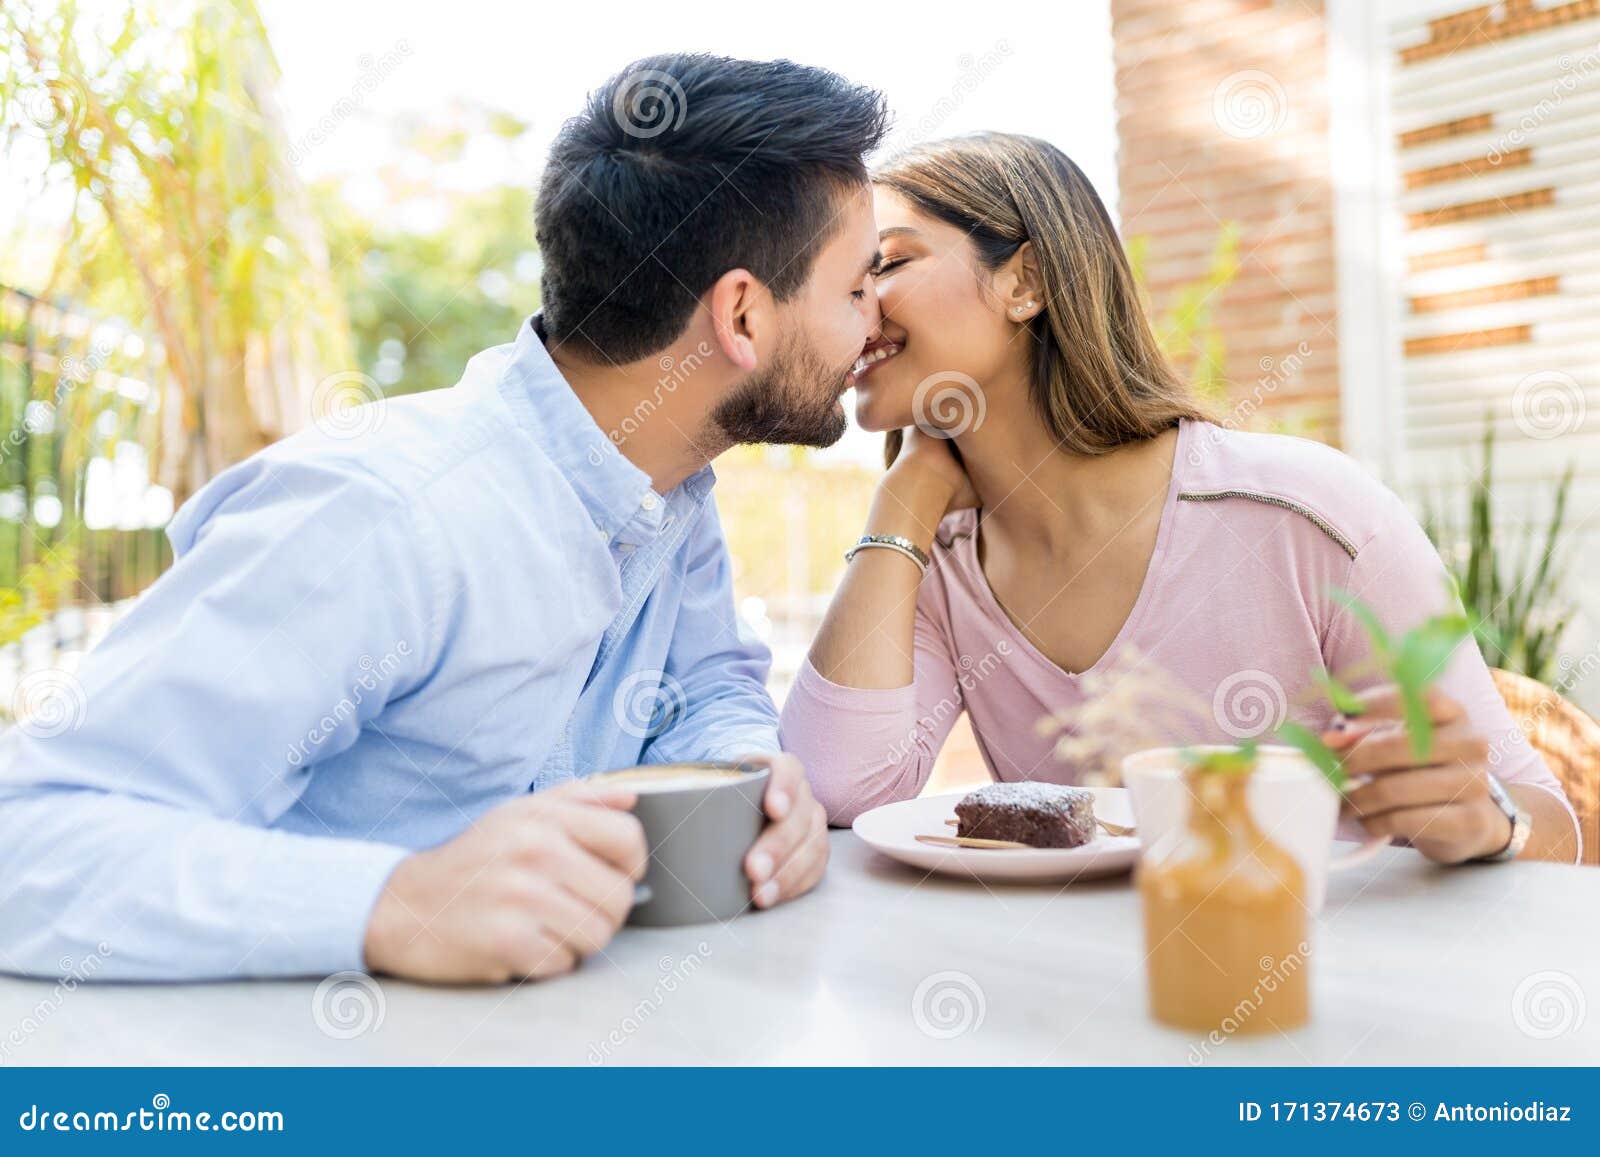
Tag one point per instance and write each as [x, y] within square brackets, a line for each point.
[929, 469]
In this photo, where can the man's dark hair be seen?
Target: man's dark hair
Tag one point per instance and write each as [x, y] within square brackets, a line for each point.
[680, 168]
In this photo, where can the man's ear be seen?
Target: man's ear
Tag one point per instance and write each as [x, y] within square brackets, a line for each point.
[1021, 290]
[741, 315]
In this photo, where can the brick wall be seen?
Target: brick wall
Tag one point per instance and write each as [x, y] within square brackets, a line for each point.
[1222, 117]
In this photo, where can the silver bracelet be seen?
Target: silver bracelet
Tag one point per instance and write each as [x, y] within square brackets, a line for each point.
[894, 542]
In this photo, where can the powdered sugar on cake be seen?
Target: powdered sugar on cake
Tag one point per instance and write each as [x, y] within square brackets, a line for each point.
[1030, 793]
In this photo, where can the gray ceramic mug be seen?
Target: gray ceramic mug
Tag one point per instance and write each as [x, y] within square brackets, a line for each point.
[699, 819]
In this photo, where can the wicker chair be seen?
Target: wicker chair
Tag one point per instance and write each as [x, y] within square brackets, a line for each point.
[1569, 740]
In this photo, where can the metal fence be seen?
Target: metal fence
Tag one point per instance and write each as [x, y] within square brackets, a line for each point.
[81, 524]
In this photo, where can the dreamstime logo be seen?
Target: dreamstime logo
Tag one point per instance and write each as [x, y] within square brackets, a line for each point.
[948, 404]
[73, 973]
[348, 404]
[974, 70]
[970, 675]
[1249, 703]
[49, 703]
[673, 973]
[1549, 1004]
[1548, 404]
[347, 1005]
[648, 103]
[1249, 104]
[674, 372]
[374, 673]
[948, 1004]
[1273, 972]
[374, 71]
[647, 703]
[50, 105]
[1575, 671]
[1275, 374]
[39, 415]
[1573, 74]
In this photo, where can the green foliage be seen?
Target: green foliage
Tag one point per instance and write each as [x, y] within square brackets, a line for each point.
[423, 300]
[1514, 589]
[44, 586]
[1413, 663]
[1187, 328]
[1232, 761]
[155, 127]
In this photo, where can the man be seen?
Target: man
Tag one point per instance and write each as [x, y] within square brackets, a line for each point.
[349, 728]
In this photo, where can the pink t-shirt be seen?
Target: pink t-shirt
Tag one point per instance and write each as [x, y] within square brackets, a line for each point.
[1233, 619]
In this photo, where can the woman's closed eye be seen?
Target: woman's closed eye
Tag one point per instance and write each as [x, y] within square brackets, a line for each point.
[889, 264]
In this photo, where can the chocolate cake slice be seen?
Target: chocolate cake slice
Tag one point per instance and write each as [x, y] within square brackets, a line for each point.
[1041, 815]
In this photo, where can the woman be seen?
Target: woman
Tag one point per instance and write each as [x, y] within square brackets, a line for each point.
[1081, 516]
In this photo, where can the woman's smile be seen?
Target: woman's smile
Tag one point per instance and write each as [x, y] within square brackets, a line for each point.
[873, 356]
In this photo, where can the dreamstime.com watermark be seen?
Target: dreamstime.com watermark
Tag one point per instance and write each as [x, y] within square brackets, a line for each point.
[347, 1005]
[673, 374]
[1249, 703]
[374, 71]
[968, 676]
[1273, 973]
[1249, 104]
[1275, 374]
[39, 416]
[649, 102]
[159, 1117]
[646, 703]
[673, 974]
[49, 702]
[348, 405]
[1572, 672]
[1573, 75]
[1549, 1004]
[948, 1004]
[374, 674]
[974, 70]
[73, 973]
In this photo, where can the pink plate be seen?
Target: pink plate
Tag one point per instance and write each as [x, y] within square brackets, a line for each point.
[893, 829]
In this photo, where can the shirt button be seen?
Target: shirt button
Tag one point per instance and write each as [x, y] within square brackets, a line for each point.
[649, 502]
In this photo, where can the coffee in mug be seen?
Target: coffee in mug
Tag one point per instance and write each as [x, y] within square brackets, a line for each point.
[699, 820]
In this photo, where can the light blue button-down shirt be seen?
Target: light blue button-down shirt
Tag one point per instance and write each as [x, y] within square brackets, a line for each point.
[374, 632]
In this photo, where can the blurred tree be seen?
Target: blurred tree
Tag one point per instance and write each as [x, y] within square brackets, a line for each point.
[431, 271]
[158, 123]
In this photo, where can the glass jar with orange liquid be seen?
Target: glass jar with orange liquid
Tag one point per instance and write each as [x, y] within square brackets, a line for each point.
[1225, 920]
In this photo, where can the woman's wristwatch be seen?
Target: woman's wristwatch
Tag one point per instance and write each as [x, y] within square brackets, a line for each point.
[1521, 823]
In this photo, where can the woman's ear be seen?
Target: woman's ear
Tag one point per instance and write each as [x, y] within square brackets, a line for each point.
[1022, 291]
[741, 316]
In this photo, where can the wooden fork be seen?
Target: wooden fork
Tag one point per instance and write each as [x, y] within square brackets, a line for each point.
[970, 842]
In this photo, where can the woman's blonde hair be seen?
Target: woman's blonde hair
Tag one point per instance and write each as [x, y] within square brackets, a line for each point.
[1098, 378]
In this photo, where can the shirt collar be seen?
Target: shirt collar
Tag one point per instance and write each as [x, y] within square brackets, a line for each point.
[614, 491]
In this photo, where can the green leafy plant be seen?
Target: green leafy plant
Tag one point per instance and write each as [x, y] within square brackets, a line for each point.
[1187, 329]
[1413, 663]
[1514, 594]
[1231, 761]
[156, 130]
[41, 589]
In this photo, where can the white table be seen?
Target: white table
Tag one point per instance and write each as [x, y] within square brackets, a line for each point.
[1412, 964]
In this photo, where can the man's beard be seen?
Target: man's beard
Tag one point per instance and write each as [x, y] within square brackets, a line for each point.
[793, 402]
